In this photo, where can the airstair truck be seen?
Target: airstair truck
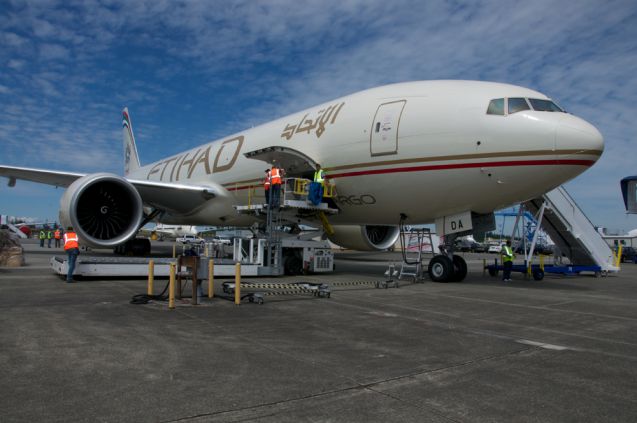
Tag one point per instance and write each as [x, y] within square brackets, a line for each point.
[572, 231]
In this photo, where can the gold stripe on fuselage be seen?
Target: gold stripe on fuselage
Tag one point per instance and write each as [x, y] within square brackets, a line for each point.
[467, 157]
[443, 159]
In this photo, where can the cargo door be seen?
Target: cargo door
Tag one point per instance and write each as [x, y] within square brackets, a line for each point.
[384, 134]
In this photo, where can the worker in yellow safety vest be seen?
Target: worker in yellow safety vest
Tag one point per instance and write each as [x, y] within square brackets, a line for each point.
[42, 236]
[72, 248]
[507, 261]
[319, 175]
[316, 190]
[266, 186]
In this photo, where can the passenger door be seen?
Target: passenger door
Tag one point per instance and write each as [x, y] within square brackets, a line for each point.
[384, 134]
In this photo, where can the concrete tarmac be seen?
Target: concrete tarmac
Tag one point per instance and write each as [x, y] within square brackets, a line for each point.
[560, 350]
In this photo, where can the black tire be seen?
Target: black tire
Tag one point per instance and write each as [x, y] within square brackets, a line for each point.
[459, 268]
[440, 269]
[493, 272]
[538, 274]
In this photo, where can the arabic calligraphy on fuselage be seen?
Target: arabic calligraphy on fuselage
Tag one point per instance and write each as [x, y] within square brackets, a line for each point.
[316, 123]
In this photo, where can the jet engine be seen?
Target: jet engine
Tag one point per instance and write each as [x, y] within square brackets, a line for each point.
[365, 238]
[105, 210]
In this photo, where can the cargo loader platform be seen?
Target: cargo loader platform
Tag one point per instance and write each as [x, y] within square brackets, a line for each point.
[91, 266]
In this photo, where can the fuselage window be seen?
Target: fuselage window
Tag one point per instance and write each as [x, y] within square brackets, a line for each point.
[544, 105]
[517, 105]
[496, 107]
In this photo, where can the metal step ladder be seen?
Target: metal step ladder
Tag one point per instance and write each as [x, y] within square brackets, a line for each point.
[412, 243]
[274, 254]
[567, 225]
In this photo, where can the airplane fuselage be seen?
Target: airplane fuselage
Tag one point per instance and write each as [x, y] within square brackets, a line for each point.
[426, 149]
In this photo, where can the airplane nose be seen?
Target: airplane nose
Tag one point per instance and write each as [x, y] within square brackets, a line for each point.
[573, 133]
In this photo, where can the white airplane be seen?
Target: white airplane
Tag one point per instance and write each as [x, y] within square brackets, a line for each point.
[175, 231]
[448, 152]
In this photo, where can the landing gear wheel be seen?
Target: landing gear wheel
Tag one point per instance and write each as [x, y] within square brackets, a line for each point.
[538, 274]
[440, 269]
[459, 269]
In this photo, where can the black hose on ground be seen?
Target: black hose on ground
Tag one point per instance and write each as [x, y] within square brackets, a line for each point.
[145, 298]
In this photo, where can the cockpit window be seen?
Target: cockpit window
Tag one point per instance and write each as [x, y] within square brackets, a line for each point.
[544, 105]
[517, 105]
[496, 107]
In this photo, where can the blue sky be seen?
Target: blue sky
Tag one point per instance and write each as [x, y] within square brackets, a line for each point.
[194, 71]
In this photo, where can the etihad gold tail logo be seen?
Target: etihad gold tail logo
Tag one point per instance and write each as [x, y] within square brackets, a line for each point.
[314, 123]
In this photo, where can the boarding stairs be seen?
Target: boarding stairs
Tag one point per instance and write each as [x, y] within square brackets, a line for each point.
[571, 231]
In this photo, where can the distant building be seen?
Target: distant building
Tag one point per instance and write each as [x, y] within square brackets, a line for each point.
[627, 240]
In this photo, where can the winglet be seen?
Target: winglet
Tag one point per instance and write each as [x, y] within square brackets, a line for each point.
[131, 158]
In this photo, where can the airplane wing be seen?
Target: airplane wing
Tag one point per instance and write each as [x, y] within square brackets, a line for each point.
[50, 177]
[178, 198]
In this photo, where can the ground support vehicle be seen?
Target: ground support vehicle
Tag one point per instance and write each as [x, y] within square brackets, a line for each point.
[538, 271]
[190, 239]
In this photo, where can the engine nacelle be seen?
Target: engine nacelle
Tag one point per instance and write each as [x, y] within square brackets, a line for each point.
[105, 210]
[365, 238]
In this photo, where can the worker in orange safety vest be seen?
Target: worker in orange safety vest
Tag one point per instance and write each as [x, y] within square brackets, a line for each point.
[276, 177]
[57, 235]
[72, 248]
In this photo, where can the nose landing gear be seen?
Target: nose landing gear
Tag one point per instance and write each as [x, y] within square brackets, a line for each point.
[445, 269]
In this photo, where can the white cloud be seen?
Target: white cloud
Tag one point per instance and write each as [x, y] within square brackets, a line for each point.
[54, 52]
[11, 39]
[16, 64]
